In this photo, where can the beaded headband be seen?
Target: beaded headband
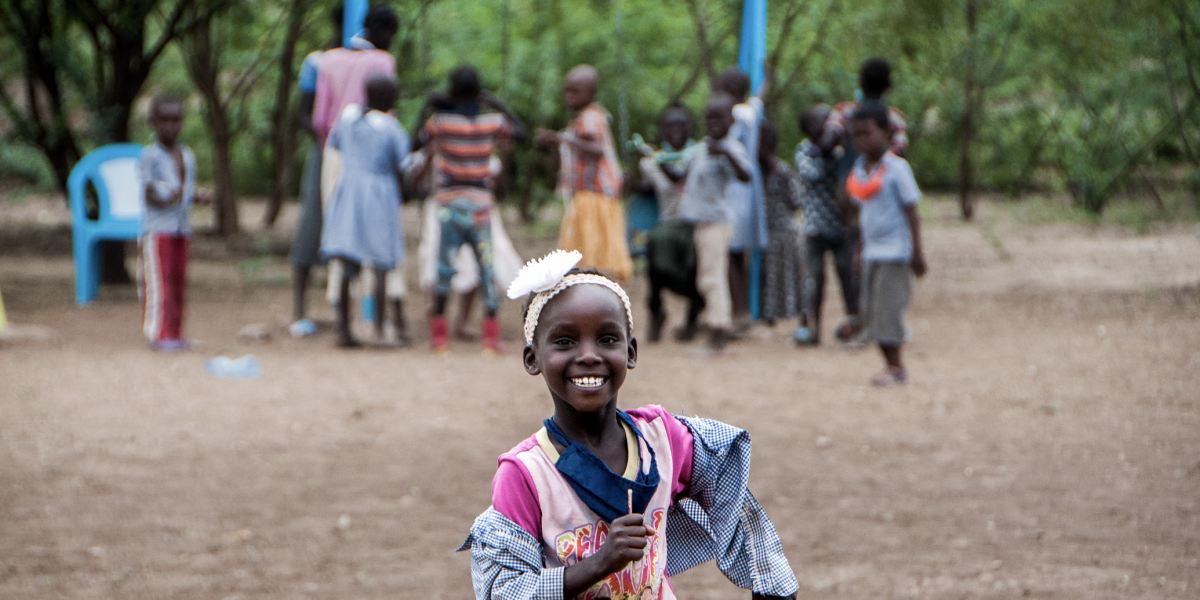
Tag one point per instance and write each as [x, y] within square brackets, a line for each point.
[546, 277]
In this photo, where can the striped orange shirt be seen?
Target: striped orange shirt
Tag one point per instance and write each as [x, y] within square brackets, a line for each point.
[464, 145]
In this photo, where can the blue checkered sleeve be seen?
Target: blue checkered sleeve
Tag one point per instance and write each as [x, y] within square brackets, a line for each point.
[720, 519]
[506, 562]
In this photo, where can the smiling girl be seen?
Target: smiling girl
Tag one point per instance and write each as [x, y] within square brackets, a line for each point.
[606, 503]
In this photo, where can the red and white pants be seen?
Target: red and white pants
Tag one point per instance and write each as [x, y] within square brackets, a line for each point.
[162, 280]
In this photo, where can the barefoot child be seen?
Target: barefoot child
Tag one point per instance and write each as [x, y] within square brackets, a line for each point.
[362, 223]
[826, 228]
[783, 261]
[705, 204]
[167, 170]
[580, 509]
[590, 179]
[882, 183]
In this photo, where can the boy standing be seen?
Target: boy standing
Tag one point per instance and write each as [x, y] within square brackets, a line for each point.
[883, 185]
[826, 227]
[720, 161]
[590, 179]
[167, 171]
[464, 135]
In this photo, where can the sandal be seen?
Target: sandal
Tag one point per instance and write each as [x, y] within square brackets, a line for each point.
[889, 377]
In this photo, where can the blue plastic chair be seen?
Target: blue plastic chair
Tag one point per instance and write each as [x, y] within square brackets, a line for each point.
[112, 171]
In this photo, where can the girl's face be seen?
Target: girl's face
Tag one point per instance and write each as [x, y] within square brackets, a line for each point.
[582, 347]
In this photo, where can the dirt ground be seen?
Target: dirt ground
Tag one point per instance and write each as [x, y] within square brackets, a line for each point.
[1046, 446]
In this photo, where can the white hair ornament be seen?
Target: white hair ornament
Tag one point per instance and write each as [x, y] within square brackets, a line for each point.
[547, 276]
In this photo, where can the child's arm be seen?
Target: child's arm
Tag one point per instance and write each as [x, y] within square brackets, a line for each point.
[914, 227]
[740, 163]
[739, 534]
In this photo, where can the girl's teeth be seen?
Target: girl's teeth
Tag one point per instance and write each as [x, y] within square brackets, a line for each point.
[588, 381]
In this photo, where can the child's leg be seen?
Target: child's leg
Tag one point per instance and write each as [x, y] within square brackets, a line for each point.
[299, 289]
[739, 285]
[843, 260]
[654, 277]
[151, 275]
[712, 278]
[891, 356]
[450, 241]
[480, 238]
[814, 284]
[380, 292]
[344, 338]
[397, 289]
[173, 254]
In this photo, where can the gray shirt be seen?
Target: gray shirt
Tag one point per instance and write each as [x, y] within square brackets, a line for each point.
[156, 168]
[705, 198]
[885, 232]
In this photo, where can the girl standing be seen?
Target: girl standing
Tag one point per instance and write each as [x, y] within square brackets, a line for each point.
[580, 509]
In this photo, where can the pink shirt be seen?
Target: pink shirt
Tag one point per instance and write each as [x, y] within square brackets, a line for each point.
[529, 490]
[342, 80]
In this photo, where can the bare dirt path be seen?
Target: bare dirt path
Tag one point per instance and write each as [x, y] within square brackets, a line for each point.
[1046, 445]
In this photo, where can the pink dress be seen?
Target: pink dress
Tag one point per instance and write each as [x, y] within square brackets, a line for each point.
[529, 490]
[342, 80]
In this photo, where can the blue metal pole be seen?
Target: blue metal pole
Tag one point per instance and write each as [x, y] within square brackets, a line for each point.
[352, 20]
[752, 48]
[752, 55]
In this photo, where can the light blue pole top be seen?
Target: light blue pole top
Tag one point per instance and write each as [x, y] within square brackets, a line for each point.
[352, 18]
[752, 48]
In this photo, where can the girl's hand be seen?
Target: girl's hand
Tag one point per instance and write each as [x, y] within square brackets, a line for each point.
[626, 543]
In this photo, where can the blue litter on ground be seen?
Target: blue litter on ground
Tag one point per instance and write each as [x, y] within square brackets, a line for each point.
[223, 367]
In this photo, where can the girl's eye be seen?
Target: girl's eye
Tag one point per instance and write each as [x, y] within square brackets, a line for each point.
[563, 341]
[609, 339]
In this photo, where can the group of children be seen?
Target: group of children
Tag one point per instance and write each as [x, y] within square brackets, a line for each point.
[716, 196]
[719, 199]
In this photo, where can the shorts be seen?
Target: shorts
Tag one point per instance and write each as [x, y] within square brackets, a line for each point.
[886, 287]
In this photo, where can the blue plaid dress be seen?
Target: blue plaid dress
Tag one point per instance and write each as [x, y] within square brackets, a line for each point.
[719, 520]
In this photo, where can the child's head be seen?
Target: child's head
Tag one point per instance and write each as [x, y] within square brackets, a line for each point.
[579, 334]
[812, 121]
[871, 127]
[718, 115]
[733, 82]
[579, 87]
[464, 84]
[382, 91]
[768, 141]
[166, 116]
[675, 125]
[380, 25]
[874, 78]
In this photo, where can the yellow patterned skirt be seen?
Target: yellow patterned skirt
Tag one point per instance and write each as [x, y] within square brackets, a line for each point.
[594, 224]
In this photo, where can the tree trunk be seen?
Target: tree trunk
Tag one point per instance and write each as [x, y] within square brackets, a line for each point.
[965, 183]
[225, 206]
[283, 117]
[203, 59]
